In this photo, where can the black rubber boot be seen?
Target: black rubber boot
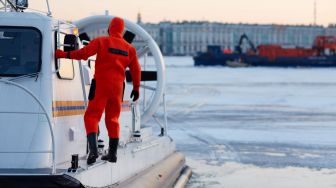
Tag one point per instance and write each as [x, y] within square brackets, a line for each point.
[93, 150]
[112, 151]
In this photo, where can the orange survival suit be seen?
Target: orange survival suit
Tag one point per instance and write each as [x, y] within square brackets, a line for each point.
[114, 55]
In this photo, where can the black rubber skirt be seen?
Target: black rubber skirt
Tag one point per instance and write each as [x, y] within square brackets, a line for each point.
[39, 181]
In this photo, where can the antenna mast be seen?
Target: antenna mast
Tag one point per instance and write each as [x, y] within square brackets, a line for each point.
[48, 6]
[315, 13]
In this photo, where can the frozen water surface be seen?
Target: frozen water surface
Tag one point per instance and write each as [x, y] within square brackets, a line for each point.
[254, 127]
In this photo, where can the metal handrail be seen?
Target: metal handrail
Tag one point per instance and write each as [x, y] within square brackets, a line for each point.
[48, 119]
[9, 5]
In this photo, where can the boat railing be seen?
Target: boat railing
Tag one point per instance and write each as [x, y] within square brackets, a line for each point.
[45, 113]
[9, 6]
[163, 124]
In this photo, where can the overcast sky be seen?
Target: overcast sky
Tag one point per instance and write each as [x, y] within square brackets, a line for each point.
[234, 11]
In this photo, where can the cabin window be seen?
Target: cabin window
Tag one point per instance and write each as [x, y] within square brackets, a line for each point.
[64, 66]
[20, 51]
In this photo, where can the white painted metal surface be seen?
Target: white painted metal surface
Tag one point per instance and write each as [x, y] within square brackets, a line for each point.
[44, 112]
[27, 132]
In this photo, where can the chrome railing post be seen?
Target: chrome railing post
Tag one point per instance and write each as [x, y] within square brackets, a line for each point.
[165, 114]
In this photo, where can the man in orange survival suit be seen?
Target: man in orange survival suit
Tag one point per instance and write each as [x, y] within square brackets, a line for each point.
[114, 54]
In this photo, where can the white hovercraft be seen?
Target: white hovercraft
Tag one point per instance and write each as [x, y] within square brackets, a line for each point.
[42, 102]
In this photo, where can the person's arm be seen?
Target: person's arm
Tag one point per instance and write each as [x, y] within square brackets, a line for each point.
[135, 69]
[84, 53]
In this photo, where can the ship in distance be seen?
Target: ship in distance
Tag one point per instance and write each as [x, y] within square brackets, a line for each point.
[321, 54]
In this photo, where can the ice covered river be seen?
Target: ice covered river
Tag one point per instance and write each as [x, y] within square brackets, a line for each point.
[254, 127]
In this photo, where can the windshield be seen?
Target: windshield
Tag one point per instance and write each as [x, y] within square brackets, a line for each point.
[20, 51]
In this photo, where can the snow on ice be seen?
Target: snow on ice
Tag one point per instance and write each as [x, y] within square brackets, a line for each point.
[254, 127]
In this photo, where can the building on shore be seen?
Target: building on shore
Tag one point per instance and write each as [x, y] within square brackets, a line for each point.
[188, 38]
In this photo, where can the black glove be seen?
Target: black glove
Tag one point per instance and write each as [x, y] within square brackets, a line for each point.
[135, 95]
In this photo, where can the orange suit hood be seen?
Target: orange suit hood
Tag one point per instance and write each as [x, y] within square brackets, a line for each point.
[116, 27]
